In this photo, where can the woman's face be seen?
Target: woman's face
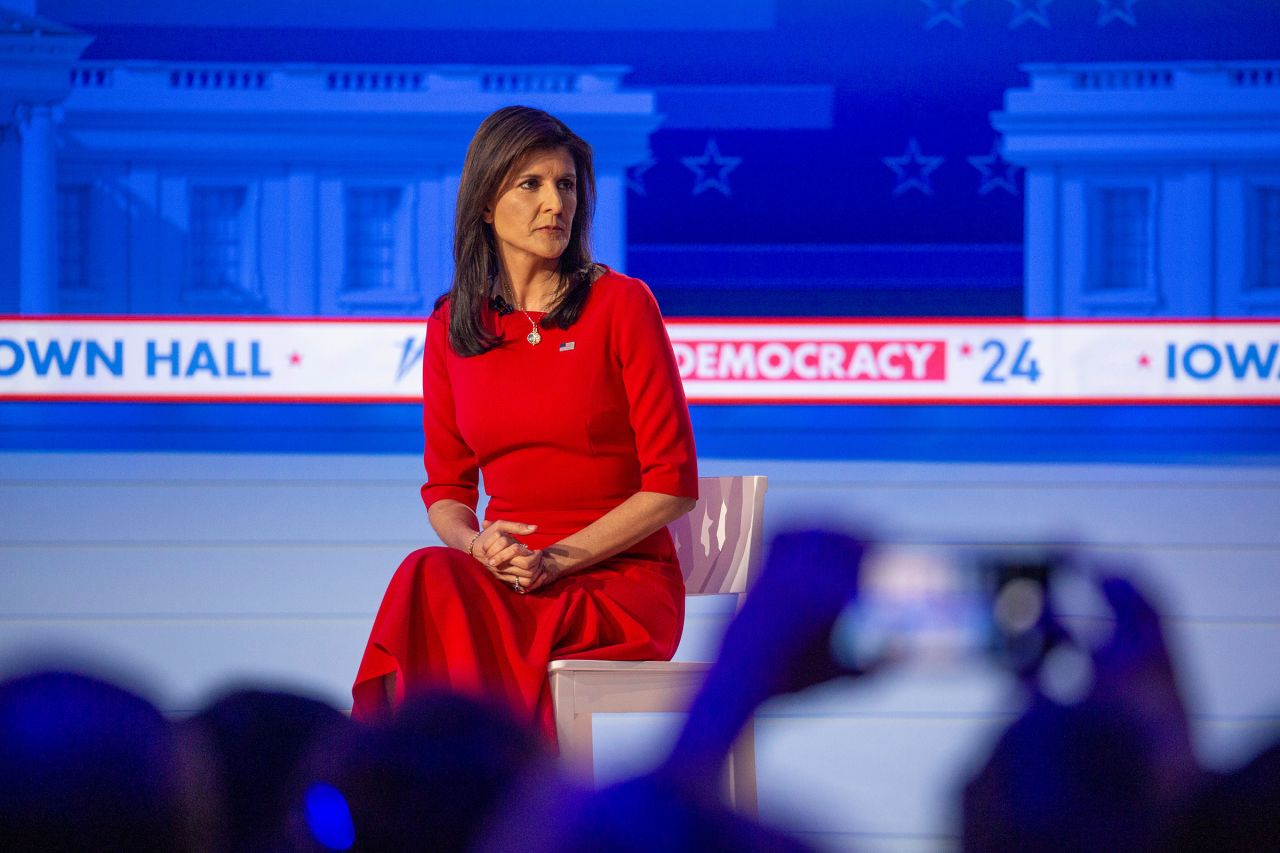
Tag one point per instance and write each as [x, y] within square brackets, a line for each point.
[533, 213]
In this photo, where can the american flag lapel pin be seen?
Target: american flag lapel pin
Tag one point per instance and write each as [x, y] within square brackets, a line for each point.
[566, 346]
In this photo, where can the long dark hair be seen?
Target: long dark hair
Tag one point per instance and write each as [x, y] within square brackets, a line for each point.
[500, 145]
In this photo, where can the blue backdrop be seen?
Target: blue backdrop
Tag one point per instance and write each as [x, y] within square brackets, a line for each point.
[830, 93]
[814, 158]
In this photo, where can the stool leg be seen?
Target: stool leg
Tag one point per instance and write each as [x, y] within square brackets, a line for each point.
[573, 729]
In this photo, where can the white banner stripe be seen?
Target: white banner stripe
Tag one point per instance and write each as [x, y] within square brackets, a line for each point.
[767, 361]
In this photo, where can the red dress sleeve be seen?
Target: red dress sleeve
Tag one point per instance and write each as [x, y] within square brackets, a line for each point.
[659, 413]
[452, 469]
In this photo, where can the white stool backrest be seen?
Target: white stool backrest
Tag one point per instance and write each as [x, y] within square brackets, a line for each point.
[719, 542]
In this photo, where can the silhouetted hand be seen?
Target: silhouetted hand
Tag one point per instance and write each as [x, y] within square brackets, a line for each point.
[1134, 673]
[783, 633]
[780, 642]
[1107, 773]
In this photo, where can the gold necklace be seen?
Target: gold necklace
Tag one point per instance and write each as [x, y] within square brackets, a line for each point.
[534, 337]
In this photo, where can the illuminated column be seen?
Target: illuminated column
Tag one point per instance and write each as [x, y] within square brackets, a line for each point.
[37, 194]
[36, 60]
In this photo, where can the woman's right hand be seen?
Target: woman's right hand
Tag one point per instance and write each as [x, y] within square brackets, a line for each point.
[500, 550]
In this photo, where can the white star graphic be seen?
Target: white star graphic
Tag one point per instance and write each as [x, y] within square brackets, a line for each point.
[997, 172]
[635, 175]
[1117, 10]
[944, 11]
[913, 169]
[1029, 10]
[711, 161]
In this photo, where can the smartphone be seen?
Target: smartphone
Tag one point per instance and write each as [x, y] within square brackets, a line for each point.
[942, 605]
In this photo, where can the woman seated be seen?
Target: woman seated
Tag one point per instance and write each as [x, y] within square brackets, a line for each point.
[554, 378]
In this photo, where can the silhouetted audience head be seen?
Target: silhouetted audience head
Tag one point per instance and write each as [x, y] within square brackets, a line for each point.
[426, 779]
[86, 766]
[254, 744]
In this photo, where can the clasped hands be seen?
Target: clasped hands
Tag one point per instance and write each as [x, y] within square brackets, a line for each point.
[520, 567]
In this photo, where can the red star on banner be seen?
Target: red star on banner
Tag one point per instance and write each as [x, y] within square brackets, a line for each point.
[1144, 360]
[966, 350]
[295, 359]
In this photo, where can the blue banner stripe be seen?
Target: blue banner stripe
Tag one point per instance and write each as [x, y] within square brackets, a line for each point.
[1118, 434]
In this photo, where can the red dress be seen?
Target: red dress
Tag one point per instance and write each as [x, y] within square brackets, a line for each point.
[562, 432]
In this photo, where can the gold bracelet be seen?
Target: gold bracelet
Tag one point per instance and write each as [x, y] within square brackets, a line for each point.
[472, 544]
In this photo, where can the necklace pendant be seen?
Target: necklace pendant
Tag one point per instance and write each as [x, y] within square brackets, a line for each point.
[534, 338]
